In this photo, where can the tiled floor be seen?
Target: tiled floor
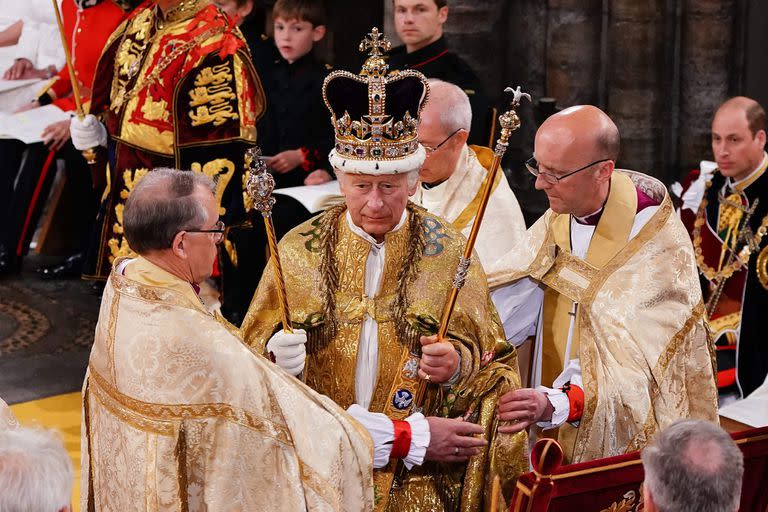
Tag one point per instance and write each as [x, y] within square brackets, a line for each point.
[46, 332]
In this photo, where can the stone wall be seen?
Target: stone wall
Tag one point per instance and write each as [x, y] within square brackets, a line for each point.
[658, 67]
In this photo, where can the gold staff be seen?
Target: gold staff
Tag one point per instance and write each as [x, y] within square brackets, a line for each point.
[509, 122]
[88, 154]
[260, 185]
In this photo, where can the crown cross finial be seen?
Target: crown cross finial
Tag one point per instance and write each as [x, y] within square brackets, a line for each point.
[376, 42]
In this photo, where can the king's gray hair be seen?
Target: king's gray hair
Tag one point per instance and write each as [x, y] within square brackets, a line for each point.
[412, 176]
[162, 204]
[35, 471]
[693, 465]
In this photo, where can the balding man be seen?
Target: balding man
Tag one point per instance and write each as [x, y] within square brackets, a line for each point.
[726, 212]
[454, 176]
[607, 282]
[692, 465]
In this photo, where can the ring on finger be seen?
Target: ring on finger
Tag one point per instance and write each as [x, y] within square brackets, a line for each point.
[428, 377]
[456, 450]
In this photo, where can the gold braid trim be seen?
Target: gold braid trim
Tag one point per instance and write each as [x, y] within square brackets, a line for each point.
[405, 333]
[329, 269]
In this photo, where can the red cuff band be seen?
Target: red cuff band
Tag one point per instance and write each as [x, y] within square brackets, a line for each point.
[305, 163]
[575, 401]
[402, 442]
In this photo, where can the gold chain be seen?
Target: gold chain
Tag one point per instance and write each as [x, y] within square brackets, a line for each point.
[743, 257]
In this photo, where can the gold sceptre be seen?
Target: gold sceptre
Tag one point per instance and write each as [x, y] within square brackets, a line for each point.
[509, 122]
[88, 154]
[260, 185]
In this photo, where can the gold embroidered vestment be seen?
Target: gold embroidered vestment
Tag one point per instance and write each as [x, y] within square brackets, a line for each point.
[488, 363]
[180, 415]
[645, 355]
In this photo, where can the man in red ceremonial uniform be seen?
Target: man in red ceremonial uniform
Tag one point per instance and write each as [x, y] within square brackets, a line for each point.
[183, 93]
[726, 211]
[24, 188]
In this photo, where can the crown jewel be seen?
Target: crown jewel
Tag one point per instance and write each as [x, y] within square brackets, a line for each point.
[375, 114]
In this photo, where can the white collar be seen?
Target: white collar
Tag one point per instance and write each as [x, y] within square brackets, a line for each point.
[368, 238]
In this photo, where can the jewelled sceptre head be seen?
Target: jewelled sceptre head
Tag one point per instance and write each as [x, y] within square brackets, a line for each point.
[260, 185]
[260, 182]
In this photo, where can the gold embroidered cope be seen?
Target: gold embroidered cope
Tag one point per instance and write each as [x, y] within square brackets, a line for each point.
[640, 333]
[179, 414]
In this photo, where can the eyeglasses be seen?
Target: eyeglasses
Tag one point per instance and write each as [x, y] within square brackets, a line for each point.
[533, 167]
[430, 149]
[219, 230]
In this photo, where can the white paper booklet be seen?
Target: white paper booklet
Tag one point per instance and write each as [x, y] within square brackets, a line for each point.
[9, 85]
[752, 411]
[315, 197]
[28, 126]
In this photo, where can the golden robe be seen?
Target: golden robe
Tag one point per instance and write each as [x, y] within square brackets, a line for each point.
[180, 415]
[646, 358]
[324, 266]
[458, 198]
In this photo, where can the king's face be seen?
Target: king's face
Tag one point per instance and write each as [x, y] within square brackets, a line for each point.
[376, 203]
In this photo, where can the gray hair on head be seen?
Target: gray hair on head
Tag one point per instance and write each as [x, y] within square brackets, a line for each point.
[412, 176]
[162, 204]
[693, 465]
[35, 471]
[453, 104]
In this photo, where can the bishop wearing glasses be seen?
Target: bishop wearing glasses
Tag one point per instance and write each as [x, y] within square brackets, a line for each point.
[454, 176]
[606, 282]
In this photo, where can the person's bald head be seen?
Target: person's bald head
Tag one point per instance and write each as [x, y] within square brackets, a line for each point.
[573, 139]
[586, 128]
[738, 137]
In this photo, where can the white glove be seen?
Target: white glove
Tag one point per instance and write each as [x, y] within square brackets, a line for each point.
[289, 350]
[87, 133]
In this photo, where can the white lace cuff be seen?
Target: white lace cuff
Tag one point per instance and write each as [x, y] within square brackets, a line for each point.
[382, 431]
[562, 406]
[420, 437]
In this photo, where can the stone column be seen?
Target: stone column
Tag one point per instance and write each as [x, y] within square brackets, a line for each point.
[573, 51]
[707, 33]
[635, 81]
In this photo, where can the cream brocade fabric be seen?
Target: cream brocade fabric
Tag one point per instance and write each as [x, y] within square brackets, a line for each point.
[7, 419]
[645, 354]
[179, 414]
[503, 225]
[488, 365]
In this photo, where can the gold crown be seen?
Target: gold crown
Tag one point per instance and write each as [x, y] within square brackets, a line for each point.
[375, 114]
